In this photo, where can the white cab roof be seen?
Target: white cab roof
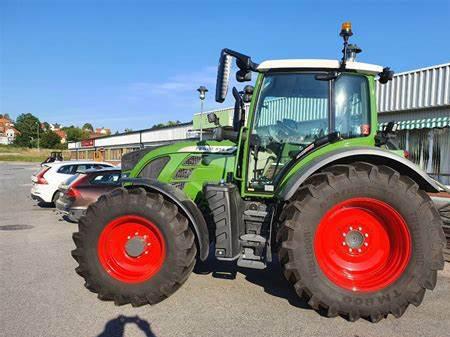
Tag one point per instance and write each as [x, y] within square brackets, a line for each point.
[365, 68]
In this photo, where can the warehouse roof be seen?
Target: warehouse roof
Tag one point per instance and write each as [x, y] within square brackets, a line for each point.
[416, 89]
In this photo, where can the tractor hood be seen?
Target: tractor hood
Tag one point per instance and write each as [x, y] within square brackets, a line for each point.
[186, 165]
[131, 159]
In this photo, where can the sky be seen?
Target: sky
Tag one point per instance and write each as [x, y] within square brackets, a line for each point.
[132, 64]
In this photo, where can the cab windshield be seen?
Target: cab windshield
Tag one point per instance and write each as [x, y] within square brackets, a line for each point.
[294, 110]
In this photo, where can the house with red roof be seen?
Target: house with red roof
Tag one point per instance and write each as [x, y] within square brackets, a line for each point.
[8, 132]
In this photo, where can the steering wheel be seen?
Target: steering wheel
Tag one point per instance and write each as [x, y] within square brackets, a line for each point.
[282, 130]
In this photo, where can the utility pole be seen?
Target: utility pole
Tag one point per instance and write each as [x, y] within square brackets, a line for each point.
[202, 91]
[38, 127]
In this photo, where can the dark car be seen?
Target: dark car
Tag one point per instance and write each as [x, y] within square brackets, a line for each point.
[83, 189]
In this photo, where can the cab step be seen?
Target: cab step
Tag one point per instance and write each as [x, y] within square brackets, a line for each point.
[249, 260]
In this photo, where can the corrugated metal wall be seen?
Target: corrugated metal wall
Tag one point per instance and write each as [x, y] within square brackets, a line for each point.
[296, 108]
[418, 89]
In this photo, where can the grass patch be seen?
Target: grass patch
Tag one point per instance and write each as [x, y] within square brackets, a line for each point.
[15, 153]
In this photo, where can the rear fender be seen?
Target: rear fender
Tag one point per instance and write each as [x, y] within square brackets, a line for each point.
[186, 205]
[371, 155]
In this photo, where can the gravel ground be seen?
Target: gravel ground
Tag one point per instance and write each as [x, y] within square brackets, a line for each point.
[41, 295]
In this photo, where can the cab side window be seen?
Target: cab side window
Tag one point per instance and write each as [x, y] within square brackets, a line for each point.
[352, 116]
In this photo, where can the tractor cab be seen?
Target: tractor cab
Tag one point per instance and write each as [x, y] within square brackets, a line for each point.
[298, 106]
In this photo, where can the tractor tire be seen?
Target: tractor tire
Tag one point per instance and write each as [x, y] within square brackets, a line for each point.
[361, 240]
[134, 247]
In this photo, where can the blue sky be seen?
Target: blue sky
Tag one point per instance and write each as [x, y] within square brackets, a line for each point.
[131, 64]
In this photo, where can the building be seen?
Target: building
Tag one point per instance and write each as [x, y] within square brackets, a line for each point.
[103, 131]
[8, 132]
[419, 100]
[111, 148]
[55, 126]
[62, 134]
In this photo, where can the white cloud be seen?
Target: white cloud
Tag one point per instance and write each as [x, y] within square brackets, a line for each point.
[185, 83]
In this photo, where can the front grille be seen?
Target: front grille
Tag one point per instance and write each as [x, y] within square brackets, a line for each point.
[154, 168]
[192, 161]
[180, 186]
[183, 173]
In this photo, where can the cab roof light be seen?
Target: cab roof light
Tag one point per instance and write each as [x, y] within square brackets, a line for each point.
[346, 29]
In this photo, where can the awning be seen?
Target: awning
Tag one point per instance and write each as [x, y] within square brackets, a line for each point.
[427, 123]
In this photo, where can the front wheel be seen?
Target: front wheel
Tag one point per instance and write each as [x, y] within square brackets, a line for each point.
[361, 241]
[134, 247]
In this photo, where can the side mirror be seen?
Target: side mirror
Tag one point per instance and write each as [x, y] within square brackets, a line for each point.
[212, 118]
[244, 74]
[386, 75]
[223, 76]
[390, 127]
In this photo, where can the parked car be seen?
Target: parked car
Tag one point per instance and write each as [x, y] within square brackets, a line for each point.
[79, 191]
[51, 175]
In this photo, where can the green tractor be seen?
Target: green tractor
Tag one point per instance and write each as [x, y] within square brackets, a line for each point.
[300, 177]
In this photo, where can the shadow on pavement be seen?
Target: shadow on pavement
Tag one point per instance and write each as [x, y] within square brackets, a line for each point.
[271, 279]
[43, 204]
[116, 326]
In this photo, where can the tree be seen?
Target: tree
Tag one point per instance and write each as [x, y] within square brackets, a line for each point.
[75, 134]
[50, 139]
[28, 126]
[88, 126]
[162, 125]
[127, 130]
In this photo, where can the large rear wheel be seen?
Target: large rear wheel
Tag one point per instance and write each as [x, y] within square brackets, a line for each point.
[134, 247]
[361, 241]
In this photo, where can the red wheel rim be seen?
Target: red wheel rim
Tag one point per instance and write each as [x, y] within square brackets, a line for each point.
[131, 249]
[362, 244]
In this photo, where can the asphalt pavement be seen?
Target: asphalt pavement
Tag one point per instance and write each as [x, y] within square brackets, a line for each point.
[41, 295]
